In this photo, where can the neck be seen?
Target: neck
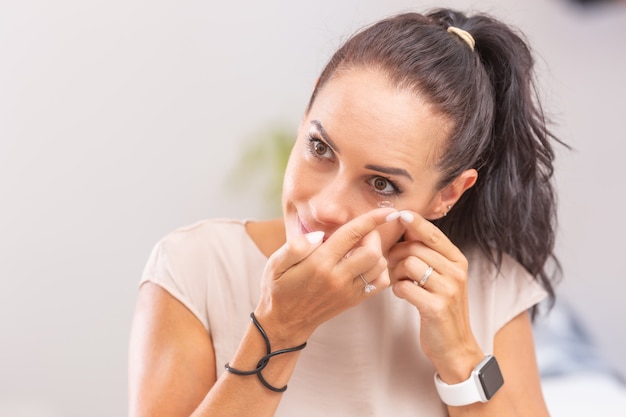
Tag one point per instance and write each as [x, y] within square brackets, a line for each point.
[268, 235]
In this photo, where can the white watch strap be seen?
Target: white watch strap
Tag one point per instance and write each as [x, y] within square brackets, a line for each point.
[463, 393]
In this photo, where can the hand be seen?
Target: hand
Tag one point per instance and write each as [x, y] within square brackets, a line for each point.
[446, 335]
[305, 284]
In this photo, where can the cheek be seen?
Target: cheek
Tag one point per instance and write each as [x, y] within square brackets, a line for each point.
[295, 180]
[289, 187]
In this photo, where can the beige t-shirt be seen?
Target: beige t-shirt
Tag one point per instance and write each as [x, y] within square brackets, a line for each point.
[364, 362]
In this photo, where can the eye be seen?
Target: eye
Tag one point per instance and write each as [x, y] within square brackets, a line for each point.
[320, 149]
[383, 185]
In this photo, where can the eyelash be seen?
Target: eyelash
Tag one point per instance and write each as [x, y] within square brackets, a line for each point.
[313, 141]
[395, 190]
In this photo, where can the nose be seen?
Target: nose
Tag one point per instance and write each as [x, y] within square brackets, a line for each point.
[335, 204]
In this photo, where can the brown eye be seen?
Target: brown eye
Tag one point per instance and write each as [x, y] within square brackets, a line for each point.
[383, 186]
[380, 183]
[321, 148]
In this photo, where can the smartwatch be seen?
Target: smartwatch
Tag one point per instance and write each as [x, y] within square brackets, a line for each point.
[485, 380]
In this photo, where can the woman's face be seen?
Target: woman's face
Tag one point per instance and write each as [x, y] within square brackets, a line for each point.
[362, 142]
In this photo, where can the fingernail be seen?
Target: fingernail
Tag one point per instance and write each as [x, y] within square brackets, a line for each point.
[392, 216]
[314, 237]
[406, 216]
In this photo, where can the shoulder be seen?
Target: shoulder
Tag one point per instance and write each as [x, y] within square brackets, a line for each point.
[185, 251]
[206, 244]
[203, 230]
[510, 275]
[205, 237]
[194, 262]
[483, 266]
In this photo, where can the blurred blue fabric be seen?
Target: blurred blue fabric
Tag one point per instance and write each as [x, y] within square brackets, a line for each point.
[564, 346]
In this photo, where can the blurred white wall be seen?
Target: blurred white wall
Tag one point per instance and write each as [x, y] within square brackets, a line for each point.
[121, 120]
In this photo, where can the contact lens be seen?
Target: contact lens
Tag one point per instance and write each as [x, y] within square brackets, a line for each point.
[385, 203]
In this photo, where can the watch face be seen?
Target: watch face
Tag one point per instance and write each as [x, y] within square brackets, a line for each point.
[490, 377]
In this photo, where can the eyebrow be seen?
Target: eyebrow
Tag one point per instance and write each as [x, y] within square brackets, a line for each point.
[390, 170]
[379, 168]
[324, 134]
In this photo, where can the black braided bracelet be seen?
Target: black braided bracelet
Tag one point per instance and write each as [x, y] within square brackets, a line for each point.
[265, 359]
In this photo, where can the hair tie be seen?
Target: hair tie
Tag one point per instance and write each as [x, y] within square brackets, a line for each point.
[463, 34]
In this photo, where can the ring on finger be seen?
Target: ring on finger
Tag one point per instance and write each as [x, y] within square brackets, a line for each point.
[368, 287]
[425, 277]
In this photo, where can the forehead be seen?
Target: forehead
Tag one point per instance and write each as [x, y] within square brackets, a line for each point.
[360, 105]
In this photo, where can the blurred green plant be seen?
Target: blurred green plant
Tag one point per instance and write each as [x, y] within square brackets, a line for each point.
[261, 167]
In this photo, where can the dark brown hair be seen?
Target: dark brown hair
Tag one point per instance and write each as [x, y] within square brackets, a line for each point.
[498, 126]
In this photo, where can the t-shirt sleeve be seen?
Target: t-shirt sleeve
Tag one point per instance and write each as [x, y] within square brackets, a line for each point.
[498, 296]
[169, 267]
[516, 292]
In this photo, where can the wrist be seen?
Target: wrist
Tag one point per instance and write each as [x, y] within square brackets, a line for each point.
[483, 383]
[457, 368]
[280, 332]
[264, 360]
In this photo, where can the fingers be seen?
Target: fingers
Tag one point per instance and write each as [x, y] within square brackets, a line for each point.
[426, 246]
[351, 250]
[367, 264]
[295, 250]
[342, 241]
[422, 230]
[378, 276]
[425, 277]
[420, 252]
[345, 238]
[364, 255]
[442, 297]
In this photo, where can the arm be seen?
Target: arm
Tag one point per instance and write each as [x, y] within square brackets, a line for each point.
[514, 347]
[171, 361]
[521, 393]
[172, 364]
[446, 335]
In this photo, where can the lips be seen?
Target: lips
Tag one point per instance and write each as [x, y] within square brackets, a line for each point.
[303, 228]
[307, 228]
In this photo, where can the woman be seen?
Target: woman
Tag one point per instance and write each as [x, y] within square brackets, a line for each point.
[422, 164]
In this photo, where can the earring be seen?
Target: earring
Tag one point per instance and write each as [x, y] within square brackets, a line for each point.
[445, 213]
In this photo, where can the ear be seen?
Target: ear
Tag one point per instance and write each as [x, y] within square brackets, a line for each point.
[450, 194]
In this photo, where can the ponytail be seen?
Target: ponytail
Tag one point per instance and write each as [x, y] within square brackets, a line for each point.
[512, 208]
